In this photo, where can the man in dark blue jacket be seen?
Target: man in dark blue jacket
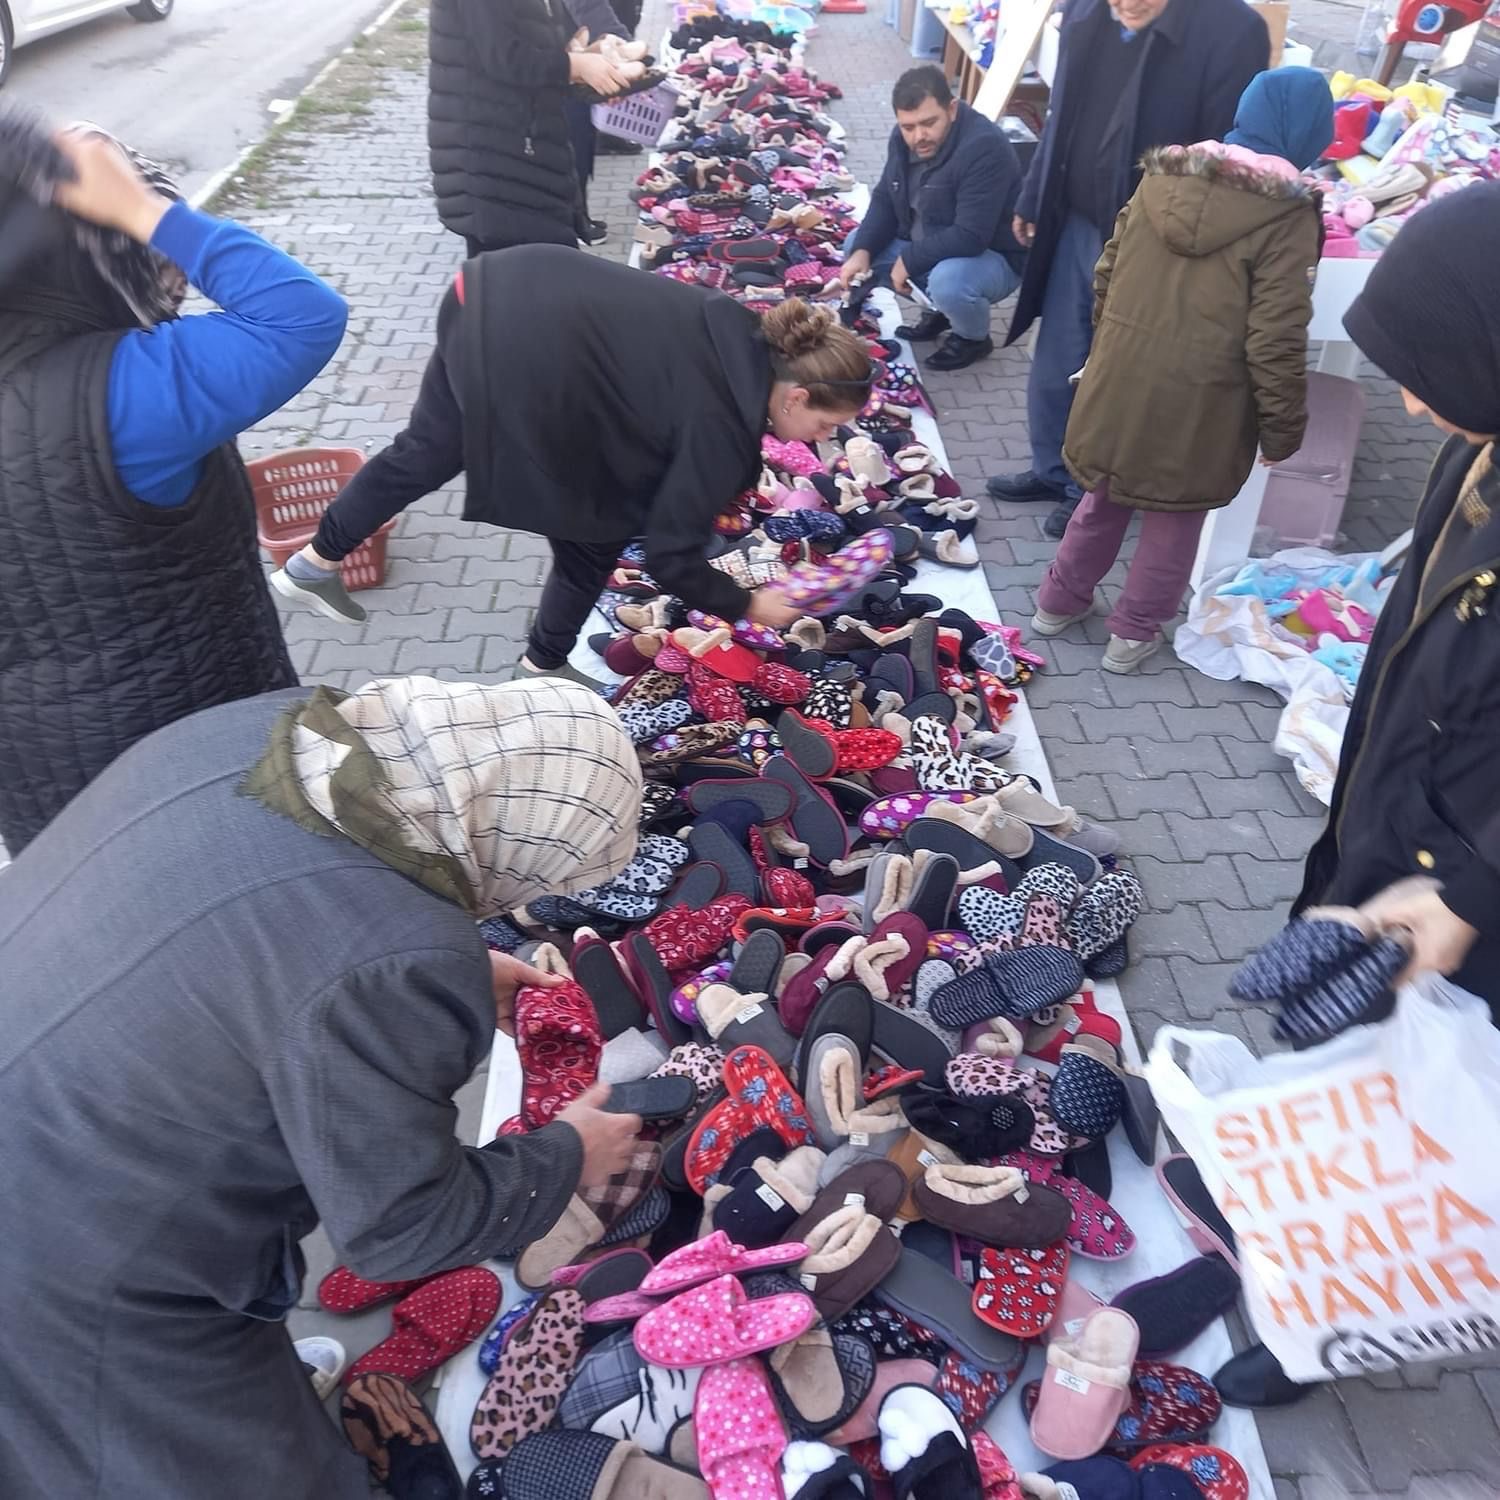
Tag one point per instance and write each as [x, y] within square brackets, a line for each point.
[1131, 74]
[939, 218]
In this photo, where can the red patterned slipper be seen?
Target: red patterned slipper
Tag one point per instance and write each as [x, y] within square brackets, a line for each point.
[433, 1324]
[559, 1043]
[759, 1095]
[685, 939]
[1019, 1290]
[1218, 1474]
[341, 1291]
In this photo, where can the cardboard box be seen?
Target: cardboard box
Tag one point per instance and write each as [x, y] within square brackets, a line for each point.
[1276, 14]
[906, 19]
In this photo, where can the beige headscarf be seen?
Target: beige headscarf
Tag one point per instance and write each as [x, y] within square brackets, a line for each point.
[492, 795]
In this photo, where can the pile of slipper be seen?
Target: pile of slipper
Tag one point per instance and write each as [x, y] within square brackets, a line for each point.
[845, 982]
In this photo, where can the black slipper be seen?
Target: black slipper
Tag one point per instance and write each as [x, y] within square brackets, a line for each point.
[1090, 1166]
[758, 963]
[939, 705]
[615, 1000]
[968, 850]
[845, 1009]
[762, 1141]
[816, 820]
[909, 1043]
[850, 797]
[811, 749]
[696, 887]
[655, 987]
[991, 1126]
[1047, 850]
[1172, 1310]
[932, 897]
[892, 673]
[1185, 1187]
[773, 801]
[611, 1275]
[1141, 1117]
[922, 650]
[713, 844]
[670, 1097]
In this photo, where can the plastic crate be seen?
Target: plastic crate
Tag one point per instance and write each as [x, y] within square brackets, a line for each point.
[293, 489]
[1304, 499]
[642, 117]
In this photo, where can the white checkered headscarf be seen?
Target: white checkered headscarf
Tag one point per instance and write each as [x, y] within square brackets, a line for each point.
[531, 788]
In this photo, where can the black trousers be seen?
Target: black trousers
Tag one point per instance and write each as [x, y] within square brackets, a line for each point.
[424, 457]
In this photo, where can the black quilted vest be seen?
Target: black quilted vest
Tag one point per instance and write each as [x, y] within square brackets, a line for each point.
[116, 617]
[502, 157]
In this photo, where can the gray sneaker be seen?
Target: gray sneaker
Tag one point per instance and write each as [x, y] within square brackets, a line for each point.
[328, 595]
[1125, 656]
[1044, 622]
[525, 672]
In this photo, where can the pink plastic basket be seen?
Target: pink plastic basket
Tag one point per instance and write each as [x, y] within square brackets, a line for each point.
[637, 117]
[293, 489]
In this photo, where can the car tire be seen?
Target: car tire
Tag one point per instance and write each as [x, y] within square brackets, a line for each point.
[7, 42]
[151, 10]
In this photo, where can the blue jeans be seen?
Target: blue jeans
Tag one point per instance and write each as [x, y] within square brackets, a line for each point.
[962, 289]
[1062, 346]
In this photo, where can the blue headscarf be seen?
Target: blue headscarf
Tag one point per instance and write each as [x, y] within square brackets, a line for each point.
[1286, 112]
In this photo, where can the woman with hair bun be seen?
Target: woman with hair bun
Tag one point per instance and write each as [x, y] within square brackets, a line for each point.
[591, 404]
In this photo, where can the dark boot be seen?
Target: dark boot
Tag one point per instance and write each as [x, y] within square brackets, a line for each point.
[1254, 1378]
[1027, 486]
[1056, 523]
[928, 326]
[958, 353]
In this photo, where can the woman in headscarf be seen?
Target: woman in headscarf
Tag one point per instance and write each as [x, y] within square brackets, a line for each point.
[1201, 306]
[131, 590]
[1413, 835]
[242, 982]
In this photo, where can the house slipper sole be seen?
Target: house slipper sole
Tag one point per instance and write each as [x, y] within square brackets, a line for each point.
[1172, 1310]
[1188, 1193]
[608, 987]
[811, 749]
[1047, 850]
[846, 1009]
[713, 844]
[771, 799]
[758, 963]
[968, 850]
[918, 1288]
[896, 1035]
[696, 887]
[669, 1097]
[655, 986]
[816, 820]
[932, 896]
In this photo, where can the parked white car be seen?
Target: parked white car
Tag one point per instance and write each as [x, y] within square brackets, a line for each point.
[23, 21]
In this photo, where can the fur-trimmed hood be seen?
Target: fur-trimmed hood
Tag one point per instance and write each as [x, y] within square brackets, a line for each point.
[1200, 199]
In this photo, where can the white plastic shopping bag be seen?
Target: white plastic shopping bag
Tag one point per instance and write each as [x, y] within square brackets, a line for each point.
[1361, 1177]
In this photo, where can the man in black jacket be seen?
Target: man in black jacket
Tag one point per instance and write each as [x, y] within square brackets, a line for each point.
[1131, 75]
[939, 218]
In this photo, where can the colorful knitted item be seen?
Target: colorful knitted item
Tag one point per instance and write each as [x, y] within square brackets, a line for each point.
[559, 1043]
[712, 697]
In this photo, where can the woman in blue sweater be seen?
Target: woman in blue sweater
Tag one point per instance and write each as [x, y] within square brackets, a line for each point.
[131, 591]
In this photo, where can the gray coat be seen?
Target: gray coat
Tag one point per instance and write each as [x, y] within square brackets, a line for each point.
[216, 1029]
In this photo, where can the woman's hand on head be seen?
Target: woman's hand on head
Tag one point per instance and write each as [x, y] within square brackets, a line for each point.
[767, 607]
[508, 975]
[107, 190]
[608, 1140]
[1440, 940]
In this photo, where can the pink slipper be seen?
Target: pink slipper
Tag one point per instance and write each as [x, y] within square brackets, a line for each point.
[1074, 1309]
[1086, 1387]
[738, 1431]
[717, 1255]
[745, 632]
[1097, 1231]
[624, 1307]
[718, 1322]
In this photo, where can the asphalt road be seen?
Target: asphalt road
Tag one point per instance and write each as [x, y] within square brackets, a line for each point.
[192, 91]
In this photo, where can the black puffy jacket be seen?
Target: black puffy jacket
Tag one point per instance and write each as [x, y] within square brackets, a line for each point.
[116, 617]
[497, 128]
